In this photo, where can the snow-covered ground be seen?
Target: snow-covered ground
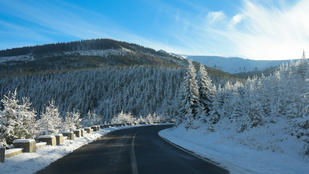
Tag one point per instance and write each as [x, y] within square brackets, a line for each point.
[259, 150]
[31, 162]
[24, 58]
[102, 53]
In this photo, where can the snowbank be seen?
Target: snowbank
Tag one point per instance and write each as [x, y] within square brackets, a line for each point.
[47, 136]
[31, 162]
[23, 141]
[255, 151]
[10, 151]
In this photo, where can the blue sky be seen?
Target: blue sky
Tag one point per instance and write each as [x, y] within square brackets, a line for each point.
[254, 29]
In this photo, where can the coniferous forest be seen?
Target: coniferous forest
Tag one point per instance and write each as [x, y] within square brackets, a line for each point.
[106, 91]
[190, 93]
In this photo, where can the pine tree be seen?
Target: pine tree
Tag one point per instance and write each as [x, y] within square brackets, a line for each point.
[88, 120]
[76, 119]
[215, 113]
[16, 121]
[29, 127]
[302, 66]
[50, 121]
[205, 92]
[9, 119]
[68, 124]
[189, 100]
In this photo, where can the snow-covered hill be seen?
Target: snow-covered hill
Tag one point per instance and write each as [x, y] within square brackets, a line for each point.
[235, 64]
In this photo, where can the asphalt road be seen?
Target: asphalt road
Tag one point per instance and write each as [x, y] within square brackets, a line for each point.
[135, 150]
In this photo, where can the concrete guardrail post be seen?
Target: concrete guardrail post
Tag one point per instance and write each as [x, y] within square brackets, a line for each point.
[2, 154]
[82, 132]
[94, 128]
[70, 135]
[59, 139]
[77, 133]
[88, 129]
[13, 152]
[49, 139]
[40, 145]
[28, 145]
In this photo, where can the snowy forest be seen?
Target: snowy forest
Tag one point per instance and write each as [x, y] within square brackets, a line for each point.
[18, 121]
[111, 94]
[277, 103]
[106, 91]
[192, 97]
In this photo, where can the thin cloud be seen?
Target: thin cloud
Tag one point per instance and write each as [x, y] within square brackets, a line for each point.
[268, 31]
[54, 18]
[257, 31]
[215, 16]
[64, 19]
[237, 18]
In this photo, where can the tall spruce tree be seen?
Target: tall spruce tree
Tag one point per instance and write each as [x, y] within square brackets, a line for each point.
[205, 93]
[189, 97]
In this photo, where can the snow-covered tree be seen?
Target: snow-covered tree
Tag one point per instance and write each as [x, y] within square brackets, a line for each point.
[16, 121]
[149, 119]
[215, 113]
[9, 118]
[91, 119]
[302, 66]
[28, 119]
[88, 120]
[205, 89]
[123, 118]
[50, 121]
[189, 105]
[76, 119]
[68, 124]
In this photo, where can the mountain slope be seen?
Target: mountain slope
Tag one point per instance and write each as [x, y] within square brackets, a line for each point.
[87, 54]
[79, 55]
[235, 64]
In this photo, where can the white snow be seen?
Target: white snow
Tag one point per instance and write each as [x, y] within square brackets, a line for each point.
[67, 132]
[16, 58]
[255, 151]
[31, 162]
[41, 143]
[23, 141]
[102, 53]
[12, 151]
[46, 136]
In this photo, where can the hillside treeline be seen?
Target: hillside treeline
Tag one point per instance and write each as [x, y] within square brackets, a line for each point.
[83, 45]
[106, 91]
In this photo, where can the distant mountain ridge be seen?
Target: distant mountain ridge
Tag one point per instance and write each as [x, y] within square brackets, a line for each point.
[96, 53]
[235, 65]
[88, 54]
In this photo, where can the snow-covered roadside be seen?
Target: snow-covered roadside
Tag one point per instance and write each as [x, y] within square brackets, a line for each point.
[226, 149]
[31, 162]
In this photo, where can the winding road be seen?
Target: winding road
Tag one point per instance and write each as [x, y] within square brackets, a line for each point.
[134, 150]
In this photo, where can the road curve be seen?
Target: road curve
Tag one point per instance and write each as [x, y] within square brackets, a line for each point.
[137, 150]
